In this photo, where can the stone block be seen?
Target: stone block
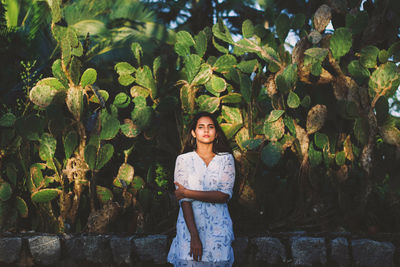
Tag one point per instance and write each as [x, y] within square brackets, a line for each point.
[370, 253]
[95, 249]
[45, 249]
[239, 246]
[270, 250]
[73, 248]
[307, 251]
[10, 249]
[340, 253]
[121, 248]
[151, 248]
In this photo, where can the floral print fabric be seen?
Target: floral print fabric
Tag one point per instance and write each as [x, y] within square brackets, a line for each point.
[212, 220]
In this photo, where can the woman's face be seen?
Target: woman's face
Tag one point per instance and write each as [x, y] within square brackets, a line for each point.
[205, 130]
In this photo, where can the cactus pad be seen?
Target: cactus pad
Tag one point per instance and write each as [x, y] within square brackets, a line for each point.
[21, 207]
[45, 195]
[316, 118]
[104, 194]
[271, 154]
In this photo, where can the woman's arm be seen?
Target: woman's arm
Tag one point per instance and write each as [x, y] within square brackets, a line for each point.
[196, 248]
[205, 196]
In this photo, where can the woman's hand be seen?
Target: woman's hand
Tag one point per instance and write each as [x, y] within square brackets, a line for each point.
[180, 191]
[196, 248]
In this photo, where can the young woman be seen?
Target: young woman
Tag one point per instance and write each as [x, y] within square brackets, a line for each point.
[204, 178]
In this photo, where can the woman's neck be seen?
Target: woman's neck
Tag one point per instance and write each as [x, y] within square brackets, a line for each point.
[204, 149]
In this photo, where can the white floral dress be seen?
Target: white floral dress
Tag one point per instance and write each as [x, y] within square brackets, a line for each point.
[213, 221]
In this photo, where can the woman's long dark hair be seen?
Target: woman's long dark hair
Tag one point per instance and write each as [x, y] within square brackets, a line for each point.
[220, 144]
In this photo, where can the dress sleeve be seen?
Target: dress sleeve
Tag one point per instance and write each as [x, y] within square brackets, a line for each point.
[227, 180]
[181, 176]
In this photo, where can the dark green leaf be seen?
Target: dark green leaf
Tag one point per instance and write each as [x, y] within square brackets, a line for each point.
[298, 21]
[341, 42]
[383, 56]
[221, 32]
[109, 128]
[137, 52]
[219, 47]
[385, 79]
[7, 120]
[293, 100]
[275, 115]
[47, 147]
[368, 57]
[204, 75]
[138, 182]
[245, 87]
[185, 38]
[231, 98]
[21, 207]
[121, 100]
[201, 43]
[306, 101]
[5, 191]
[361, 130]
[340, 158]
[247, 29]
[232, 114]
[144, 77]
[44, 195]
[274, 131]
[282, 26]
[88, 77]
[124, 68]
[90, 156]
[358, 71]
[230, 129]
[11, 172]
[126, 79]
[224, 63]
[192, 67]
[104, 194]
[248, 66]
[321, 140]
[105, 154]
[315, 156]
[207, 103]
[181, 49]
[218, 84]
[271, 154]
[70, 143]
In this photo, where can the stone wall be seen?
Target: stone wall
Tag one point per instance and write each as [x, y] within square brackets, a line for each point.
[280, 249]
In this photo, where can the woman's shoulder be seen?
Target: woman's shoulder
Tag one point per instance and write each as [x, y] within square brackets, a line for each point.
[225, 155]
[185, 155]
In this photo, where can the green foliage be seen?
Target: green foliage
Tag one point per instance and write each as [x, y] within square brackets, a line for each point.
[7, 120]
[88, 77]
[293, 100]
[104, 194]
[341, 42]
[369, 56]
[5, 191]
[302, 122]
[45, 195]
[271, 154]
[70, 143]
